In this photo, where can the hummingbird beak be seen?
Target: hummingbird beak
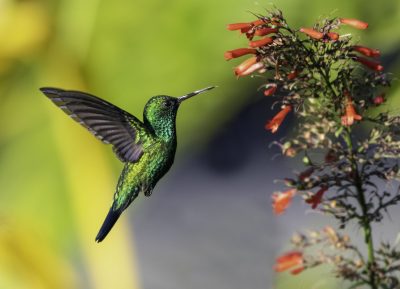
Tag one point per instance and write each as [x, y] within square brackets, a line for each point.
[189, 95]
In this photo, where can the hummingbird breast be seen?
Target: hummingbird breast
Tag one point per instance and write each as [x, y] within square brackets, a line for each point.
[157, 160]
[143, 175]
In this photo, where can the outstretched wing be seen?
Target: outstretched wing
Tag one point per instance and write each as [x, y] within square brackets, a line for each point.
[107, 122]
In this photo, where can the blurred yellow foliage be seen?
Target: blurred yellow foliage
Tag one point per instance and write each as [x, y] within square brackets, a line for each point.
[28, 260]
[24, 28]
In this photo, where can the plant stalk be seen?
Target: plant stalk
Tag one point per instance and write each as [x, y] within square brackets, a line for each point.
[365, 222]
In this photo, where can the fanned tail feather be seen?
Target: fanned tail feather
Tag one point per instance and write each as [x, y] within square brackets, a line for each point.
[108, 224]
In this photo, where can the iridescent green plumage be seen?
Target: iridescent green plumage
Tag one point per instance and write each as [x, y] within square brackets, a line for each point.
[147, 148]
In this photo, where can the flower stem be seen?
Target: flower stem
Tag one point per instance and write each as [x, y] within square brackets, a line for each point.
[365, 222]
[310, 54]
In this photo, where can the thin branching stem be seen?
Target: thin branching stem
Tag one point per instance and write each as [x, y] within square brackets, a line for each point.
[365, 220]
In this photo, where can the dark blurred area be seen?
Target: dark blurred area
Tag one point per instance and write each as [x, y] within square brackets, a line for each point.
[240, 138]
[208, 223]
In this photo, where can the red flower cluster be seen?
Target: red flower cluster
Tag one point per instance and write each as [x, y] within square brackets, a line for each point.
[366, 51]
[371, 64]
[260, 28]
[369, 52]
[267, 31]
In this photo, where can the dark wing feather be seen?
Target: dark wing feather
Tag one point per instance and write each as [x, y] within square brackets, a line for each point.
[107, 122]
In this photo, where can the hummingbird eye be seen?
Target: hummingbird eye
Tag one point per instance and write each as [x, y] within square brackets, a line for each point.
[167, 103]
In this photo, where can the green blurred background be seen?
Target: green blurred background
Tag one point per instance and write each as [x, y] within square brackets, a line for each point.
[56, 179]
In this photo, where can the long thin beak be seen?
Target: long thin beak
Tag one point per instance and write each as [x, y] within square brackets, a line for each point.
[189, 95]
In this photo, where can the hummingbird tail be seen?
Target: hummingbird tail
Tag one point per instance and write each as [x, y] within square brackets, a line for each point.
[110, 220]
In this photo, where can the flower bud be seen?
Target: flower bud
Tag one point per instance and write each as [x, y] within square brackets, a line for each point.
[312, 33]
[379, 99]
[238, 52]
[368, 63]
[292, 75]
[238, 26]
[265, 31]
[271, 88]
[366, 51]
[333, 36]
[354, 23]
[274, 124]
[261, 42]
[245, 65]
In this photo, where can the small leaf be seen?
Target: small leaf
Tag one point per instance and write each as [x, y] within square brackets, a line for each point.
[339, 132]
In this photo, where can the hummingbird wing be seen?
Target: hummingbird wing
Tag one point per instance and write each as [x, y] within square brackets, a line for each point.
[106, 121]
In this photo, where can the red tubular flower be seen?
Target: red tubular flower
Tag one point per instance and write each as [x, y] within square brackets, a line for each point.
[367, 51]
[261, 42]
[312, 33]
[265, 31]
[354, 23]
[379, 99]
[297, 270]
[238, 52]
[253, 24]
[351, 114]
[288, 261]
[292, 75]
[333, 36]
[370, 64]
[245, 65]
[258, 22]
[281, 201]
[274, 123]
[271, 88]
[246, 29]
[316, 199]
[252, 68]
[238, 26]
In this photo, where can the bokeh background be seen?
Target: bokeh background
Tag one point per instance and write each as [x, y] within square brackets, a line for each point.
[208, 223]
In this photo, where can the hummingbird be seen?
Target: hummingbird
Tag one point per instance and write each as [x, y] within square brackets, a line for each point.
[147, 148]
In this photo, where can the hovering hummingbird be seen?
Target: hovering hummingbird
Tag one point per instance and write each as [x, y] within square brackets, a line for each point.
[147, 148]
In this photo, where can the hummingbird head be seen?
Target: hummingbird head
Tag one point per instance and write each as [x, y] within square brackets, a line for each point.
[160, 111]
